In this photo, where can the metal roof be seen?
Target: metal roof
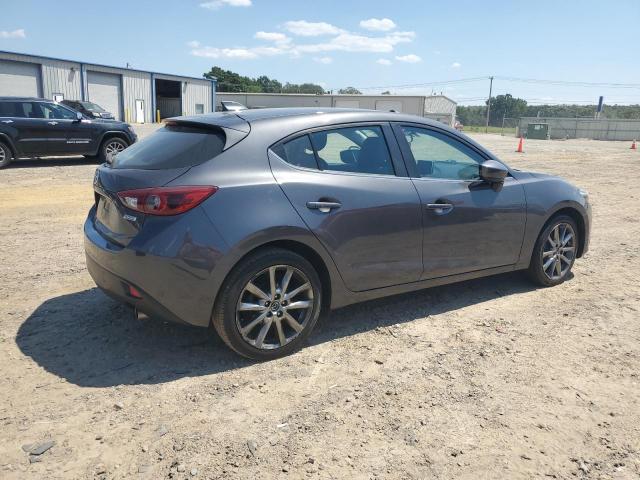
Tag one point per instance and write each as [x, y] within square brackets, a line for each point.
[32, 55]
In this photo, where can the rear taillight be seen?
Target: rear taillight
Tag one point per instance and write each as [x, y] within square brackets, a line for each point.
[165, 200]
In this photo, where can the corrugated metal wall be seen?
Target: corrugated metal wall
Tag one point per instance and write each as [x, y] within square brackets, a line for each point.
[196, 92]
[601, 129]
[137, 86]
[61, 77]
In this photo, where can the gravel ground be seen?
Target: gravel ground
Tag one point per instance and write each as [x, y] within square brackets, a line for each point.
[491, 378]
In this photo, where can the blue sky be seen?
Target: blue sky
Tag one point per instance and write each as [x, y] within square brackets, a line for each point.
[360, 43]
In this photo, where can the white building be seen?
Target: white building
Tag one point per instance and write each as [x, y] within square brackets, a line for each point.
[438, 107]
[131, 95]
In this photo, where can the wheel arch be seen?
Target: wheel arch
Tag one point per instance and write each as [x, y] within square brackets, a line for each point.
[577, 217]
[4, 138]
[113, 134]
[302, 249]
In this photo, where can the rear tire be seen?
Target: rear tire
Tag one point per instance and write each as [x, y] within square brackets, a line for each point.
[5, 155]
[110, 146]
[260, 313]
[554, 252]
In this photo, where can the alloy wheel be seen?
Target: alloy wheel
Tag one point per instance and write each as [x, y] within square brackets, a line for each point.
[3, 155]
[113, 148]
[559, 251]
[274, 307]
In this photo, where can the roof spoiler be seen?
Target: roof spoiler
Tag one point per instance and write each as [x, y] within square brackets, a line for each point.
[234, 127]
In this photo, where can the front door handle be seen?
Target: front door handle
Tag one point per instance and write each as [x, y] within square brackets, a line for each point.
[440, 208]
[7, 121]
[324, 207]
[52, 123]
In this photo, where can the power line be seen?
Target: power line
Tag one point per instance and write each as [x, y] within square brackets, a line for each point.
[426, 84]
[569, 83]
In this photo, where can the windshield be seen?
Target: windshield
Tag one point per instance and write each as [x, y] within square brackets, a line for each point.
[92, 107]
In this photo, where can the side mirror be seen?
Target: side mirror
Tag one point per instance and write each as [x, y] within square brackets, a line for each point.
[493, 172]
[79, 116]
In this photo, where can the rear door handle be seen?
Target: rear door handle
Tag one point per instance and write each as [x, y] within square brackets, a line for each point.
[52, 123]
[7, 121]
[440, 208]
[324, 207]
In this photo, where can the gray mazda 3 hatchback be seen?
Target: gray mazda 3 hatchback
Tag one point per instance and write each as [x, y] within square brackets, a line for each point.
[257, 221]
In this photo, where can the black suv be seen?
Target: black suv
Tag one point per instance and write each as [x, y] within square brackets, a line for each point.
[34, 127]
[89, 109]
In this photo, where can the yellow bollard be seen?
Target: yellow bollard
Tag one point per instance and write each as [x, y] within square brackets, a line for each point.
[158, 116]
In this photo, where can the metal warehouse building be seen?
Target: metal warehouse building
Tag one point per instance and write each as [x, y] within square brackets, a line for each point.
[131, 95]
[437, 107]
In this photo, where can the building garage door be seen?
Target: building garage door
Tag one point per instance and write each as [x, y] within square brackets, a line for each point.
[19, 79]
[388, 105]
[105, 90]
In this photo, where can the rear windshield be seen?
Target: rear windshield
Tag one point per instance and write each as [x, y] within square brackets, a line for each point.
[172, 147]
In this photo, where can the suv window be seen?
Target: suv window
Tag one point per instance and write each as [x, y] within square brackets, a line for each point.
[10, 109]
[56, 112]
[173, 146]
[440, 156]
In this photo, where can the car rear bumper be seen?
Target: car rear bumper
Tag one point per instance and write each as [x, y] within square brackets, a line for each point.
[173, 273]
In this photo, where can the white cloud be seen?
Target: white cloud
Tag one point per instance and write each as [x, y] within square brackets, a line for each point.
[311, 29]
[238, 53]
[456, 65]
[350, 42]
[411, 58]
[272, 37]
[215, 4]
[383, 61]
[323, 60]
[339, 41]
[378, 24]
[20, 33]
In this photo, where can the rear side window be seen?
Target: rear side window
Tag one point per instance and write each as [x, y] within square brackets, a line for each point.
[172, 147]
[10, 109]
[298, 152]
[351, 149]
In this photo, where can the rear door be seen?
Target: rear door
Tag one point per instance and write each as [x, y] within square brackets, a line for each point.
[468, 225]
[349, 186]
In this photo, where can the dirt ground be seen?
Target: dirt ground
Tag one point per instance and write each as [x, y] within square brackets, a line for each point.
[491, 378]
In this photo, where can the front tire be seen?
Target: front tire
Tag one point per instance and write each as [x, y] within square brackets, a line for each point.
[5, 155]
[268, 305]
[111, 146]
[555, 252]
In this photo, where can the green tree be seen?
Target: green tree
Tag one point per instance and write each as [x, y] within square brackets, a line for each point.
[229, 81]
[349, 91]
[506, 106]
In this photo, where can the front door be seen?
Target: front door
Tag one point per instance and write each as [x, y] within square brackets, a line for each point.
[348, 186]
[69, 136]
[139, 111]
[468, 226]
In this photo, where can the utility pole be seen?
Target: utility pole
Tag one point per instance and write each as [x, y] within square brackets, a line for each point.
[486, 127]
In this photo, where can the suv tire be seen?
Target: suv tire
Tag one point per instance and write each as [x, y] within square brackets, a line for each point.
[111, 145]
[5, 155]
[264, 319]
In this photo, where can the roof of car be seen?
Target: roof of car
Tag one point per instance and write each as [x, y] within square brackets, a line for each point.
[329, 115]
[24, 99]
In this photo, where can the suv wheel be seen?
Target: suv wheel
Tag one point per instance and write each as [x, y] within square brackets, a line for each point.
[111, 146]
[5, 155]
[554, 252]
[269, 305]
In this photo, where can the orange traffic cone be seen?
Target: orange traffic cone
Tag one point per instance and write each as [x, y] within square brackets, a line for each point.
[633, 145]
[520, 150]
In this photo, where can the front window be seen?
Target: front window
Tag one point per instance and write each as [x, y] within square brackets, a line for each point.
[53, 111]
[437, 155]
[92, 107]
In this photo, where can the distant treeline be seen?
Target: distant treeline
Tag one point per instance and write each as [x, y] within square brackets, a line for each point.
[512, 107]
